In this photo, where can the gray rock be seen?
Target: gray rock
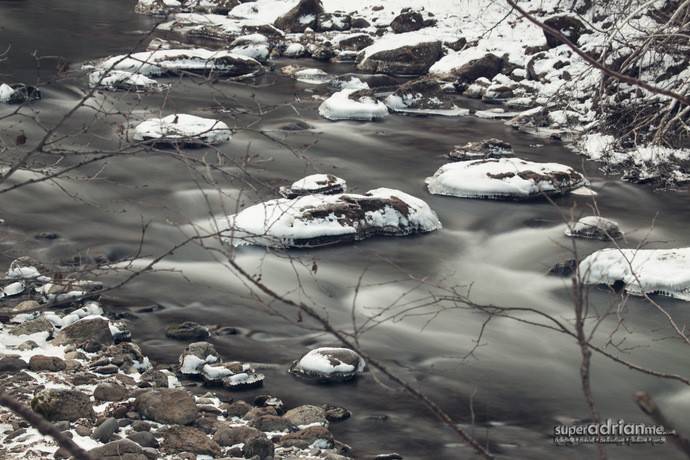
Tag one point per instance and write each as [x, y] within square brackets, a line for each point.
[25, 305]
[295, 20]
[39, 363]
[565, 268]
[336, 413]
[12, 364]
[488, 67]
[144, 439]
[187, 331]
[105, 430]
[306, 415]
[32, 326]
[231, 435]
[155, 377]
[307, 437]
[28, 345]
[123, 449]
[423, 94]
[409, 21]
[334, 21]
[260, 447]
[272, 423]
[405, 60]
[196, 355]
[237, 409]
[189, 439]
[355, 42]
[60, 404]
[568, 25]
[167, 405]
[89, 329]
[108, 391]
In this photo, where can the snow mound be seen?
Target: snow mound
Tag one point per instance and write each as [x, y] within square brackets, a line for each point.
[595, 228]
[504, 178]
[182, 129]
[318, 220]
[642, 271]
[328, 365]
[316, 183]
[353, 104]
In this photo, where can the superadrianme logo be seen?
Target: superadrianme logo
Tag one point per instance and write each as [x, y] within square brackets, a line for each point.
[610, 432]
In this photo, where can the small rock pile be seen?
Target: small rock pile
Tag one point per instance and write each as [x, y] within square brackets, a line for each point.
[105, 395]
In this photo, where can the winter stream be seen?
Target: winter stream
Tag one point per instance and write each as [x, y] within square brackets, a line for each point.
[512, 379]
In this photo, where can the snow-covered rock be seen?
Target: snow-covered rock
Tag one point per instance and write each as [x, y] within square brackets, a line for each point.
[313, 76]
[423, 96]
[316, 183]
[411, 53]
[328, 365]
[504, 178]
[180, 61]
[595, 228]
[487, 148]
[125, 81]
[318, 220]
[182, 129]
[641, 271]
[18, 93]
[353, 104]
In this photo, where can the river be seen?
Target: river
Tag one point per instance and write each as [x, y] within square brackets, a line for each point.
[513, 383]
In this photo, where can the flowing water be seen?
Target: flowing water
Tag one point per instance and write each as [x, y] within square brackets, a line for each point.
[510, 378]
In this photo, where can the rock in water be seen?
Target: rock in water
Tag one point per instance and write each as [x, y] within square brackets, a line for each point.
[595, 228]
[328, 365]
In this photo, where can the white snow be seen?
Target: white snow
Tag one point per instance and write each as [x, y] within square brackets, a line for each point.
[313, 76]
[280, 222]
[317, 182]
[319, 361]
[159, 62]
[495, 178]
[178, 127]
[341, 107]
[644, 271]
[402, 104]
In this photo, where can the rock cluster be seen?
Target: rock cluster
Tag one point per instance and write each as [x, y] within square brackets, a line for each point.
[109, 395]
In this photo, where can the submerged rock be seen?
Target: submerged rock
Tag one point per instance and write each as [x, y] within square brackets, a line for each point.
[318, 220]
[595, 228]
[327, 184]
[182, 130]
[328, 365]
[487, 148]
[504, 178]
[565, 268]
[641, 271]
[188, 330]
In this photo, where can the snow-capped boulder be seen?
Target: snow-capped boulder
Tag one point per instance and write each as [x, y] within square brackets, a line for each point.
[121, 80]
[595, 228]
[353, 104]
[18, 93]
[411, 53]
[303, 15]
[180, 61]
[182, 130]
[326, 184]
[319, 220]
[408, 21]
[328, 365]
[195, 356]
[352, 42]
[334, 22]
[295, 50]
[487, 148]
[313, 76]
[423, 96]
[504, 178]
[650, 271]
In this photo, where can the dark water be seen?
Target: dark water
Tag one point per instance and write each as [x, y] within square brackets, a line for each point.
[517, 380]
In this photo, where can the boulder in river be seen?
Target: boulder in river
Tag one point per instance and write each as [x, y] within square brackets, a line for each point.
[353, 104]
[327, 184]
[423, 96]
[595, 228]
[18, 93]
[504, 178]
[487, 148]
[182, 130]
[328, 364]
[319, 220]
[640, 271]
